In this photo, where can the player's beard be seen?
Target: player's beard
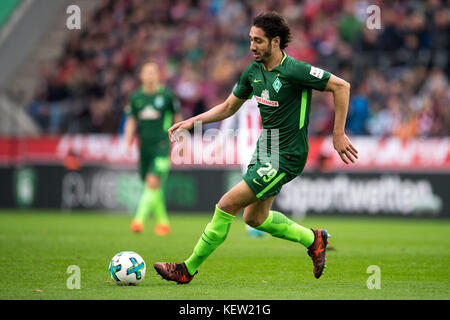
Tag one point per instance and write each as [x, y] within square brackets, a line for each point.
[264, 55]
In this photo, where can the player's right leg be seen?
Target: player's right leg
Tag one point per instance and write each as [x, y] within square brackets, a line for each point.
[146, 200]
[213, 236]
[146, 203]
[259, 215]
[245, 152]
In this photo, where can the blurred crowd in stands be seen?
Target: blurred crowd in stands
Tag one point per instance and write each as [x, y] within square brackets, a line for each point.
[399, 73]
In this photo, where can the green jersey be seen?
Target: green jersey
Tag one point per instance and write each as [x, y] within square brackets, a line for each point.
[284, 100]
[154, 114]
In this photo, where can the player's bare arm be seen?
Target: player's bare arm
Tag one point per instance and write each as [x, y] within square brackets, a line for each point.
[217, 113]
[130, 130]
[342, 144]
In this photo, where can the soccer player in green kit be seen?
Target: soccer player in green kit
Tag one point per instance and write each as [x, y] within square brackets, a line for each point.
[283, 87]
[151, 111]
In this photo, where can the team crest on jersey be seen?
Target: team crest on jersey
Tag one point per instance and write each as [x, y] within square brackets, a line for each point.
[277, 84]
[159, 101]
[148, 113]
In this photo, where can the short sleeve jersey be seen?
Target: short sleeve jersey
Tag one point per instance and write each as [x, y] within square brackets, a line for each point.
[284, 99]
[154, 113]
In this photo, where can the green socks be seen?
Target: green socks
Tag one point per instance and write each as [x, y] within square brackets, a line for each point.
[215, 233]
[152, 200]
[145, 204]
[278, 225]
[160, 208]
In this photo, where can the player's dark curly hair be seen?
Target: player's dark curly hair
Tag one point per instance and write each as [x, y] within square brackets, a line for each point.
[274, 25]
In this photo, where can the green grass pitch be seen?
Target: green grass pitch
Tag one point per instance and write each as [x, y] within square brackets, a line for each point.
[37, 247]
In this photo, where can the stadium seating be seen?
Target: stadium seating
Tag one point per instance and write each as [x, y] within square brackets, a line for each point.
[399, 74]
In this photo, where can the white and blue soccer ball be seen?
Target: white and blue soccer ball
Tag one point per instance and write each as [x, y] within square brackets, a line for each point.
[127, 268]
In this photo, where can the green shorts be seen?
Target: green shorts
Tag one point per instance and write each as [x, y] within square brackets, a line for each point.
[154, 159]
[265, 180]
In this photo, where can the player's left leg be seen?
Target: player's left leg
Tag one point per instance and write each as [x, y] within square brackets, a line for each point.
[160, 169]
[259, 216]
[146, 203]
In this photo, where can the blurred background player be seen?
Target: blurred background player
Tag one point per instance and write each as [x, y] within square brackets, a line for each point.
[150, 113]
[248, 121]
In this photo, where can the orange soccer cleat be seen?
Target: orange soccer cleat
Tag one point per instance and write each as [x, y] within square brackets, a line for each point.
[162, 229]
[136, 226]
[317, 251]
